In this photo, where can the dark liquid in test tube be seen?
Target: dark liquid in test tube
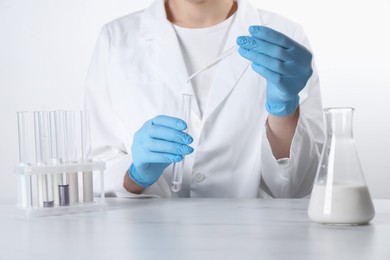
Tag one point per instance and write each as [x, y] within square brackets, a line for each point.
[64, 194]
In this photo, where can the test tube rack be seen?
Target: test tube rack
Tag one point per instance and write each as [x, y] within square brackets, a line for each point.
[30, 206]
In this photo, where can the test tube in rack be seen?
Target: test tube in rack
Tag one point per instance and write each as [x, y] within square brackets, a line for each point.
[55, 167]
[71, 155]
[63, 186]
[43, 157]
[25, 156]
[86, 156]
[54, 151]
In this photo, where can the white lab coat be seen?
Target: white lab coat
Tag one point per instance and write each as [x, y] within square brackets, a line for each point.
[137, 72]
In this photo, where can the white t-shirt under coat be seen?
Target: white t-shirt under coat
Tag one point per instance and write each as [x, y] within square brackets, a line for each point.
[200, 46]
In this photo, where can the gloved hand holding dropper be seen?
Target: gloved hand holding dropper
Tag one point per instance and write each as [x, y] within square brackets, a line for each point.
[284, 63]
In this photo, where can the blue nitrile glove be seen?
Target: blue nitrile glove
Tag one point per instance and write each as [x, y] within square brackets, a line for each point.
[160, 142]
[284, 63]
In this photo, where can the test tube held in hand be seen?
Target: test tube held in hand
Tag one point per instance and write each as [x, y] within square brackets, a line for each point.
[86, 156]
[178, 168]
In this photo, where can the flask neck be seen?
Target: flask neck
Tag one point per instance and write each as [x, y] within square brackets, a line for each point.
[339, 122]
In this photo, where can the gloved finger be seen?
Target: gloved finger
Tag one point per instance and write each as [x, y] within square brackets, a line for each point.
[269, 75]
[260, 46]
[169, 134]
[162, 146]
[153, 157]
[168, 121]
[275, 65]
[269, 35]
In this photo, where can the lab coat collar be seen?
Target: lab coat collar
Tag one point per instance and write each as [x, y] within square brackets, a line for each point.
[230, 70]
[169, 62]
[165, 50]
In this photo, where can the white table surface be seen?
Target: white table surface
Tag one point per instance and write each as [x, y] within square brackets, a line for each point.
[193, 229]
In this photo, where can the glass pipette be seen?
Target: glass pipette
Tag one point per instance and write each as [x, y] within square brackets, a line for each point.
[219, 58]
[178, 168]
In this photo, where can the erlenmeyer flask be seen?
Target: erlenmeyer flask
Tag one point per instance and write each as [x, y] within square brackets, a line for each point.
[340, 194]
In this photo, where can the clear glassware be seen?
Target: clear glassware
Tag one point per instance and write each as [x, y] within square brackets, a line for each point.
[43, 156]
[178, 168]
[54, 151]
[50, 143]
[86, 155]
[340, 194]
[26, 147]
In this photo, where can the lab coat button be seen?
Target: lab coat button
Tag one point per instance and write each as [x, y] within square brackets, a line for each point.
[199, 177]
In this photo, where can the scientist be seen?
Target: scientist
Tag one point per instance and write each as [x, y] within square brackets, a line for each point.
[255, 127]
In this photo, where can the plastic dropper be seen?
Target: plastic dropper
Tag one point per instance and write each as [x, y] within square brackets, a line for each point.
[219, 58]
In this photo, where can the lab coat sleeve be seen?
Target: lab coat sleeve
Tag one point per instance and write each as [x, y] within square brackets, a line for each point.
[293, 177]
[107, 133]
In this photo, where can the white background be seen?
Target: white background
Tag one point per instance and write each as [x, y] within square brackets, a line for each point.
[45, 47]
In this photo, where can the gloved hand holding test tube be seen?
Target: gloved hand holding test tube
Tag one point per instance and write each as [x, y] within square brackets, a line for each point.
[143, 170]
[160, 142]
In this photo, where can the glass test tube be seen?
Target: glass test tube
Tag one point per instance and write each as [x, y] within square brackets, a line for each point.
[178, 168]
[56, 178]
[60, 135]
[25, 151]
[71, 155]
[63, 186]
[42, 153]
[86, 156]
